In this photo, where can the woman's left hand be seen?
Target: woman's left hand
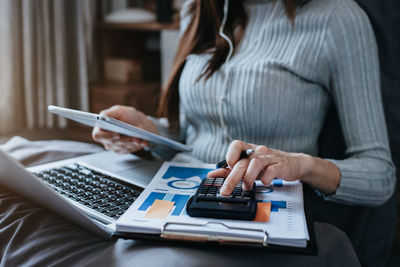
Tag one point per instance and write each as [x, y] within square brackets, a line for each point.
[264, 164]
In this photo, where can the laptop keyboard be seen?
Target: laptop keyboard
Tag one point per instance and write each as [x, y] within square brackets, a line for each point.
[95, 190]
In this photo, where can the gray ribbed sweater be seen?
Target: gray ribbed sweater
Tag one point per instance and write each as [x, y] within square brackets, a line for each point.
[281, 81]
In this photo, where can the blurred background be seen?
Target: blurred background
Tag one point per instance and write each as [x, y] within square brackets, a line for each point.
[92, 54]
[81, 54]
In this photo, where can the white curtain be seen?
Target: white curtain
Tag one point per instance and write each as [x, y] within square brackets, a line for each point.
[46, 49]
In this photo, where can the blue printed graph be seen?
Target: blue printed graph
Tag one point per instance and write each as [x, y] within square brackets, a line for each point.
[264, 189]
[267, 189]
[185, 177]
[185, 172]
[276, 205]
[150, 200]
[183, 184]
[179, 200]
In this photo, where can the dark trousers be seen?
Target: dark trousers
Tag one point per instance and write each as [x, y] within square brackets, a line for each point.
[371, 230]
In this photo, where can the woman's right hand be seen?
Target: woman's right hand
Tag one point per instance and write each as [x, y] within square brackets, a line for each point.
[120, 143]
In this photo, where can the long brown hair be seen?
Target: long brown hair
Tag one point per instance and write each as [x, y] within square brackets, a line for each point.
[201, 35]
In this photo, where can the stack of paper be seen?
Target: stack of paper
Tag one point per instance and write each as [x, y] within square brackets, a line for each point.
[161, 207]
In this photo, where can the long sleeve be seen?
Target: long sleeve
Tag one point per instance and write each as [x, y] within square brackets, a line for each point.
[367, 175]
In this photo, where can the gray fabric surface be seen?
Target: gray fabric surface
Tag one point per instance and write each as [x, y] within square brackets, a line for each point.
[32, 236]
[37, 152]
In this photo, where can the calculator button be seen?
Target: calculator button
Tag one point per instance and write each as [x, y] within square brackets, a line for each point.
[209, 181]
[246, 195]
[228, 196]
[237, 193]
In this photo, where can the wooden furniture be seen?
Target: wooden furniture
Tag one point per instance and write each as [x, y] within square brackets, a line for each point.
[140, 43]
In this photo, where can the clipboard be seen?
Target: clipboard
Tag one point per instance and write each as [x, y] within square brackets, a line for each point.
[192, 230]
[195, 239]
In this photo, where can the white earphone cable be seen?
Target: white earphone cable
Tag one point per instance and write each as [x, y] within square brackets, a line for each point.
[225, 83]
[221, 30]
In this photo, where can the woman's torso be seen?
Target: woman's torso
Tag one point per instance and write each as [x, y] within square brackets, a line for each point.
[277, 89]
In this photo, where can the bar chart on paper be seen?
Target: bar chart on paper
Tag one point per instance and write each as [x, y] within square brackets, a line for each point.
[168, 197]
[178, 200]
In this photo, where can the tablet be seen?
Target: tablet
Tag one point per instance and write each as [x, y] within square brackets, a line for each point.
[113, 125]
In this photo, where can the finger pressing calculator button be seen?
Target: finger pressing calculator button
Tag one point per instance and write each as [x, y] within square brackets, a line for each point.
[202, 206]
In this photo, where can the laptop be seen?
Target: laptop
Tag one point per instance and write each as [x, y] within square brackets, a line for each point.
[92, 191]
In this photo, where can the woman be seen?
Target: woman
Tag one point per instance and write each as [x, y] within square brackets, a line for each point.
[265, 73]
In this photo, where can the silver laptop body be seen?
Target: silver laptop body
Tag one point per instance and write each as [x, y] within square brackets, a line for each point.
[126, 168]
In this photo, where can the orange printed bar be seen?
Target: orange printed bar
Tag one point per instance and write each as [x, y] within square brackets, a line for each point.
[263, 212]
[160, 209]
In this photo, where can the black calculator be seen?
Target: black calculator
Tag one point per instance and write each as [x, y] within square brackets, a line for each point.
[207, 202]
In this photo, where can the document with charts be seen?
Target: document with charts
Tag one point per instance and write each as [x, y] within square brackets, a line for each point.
[162, 207]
